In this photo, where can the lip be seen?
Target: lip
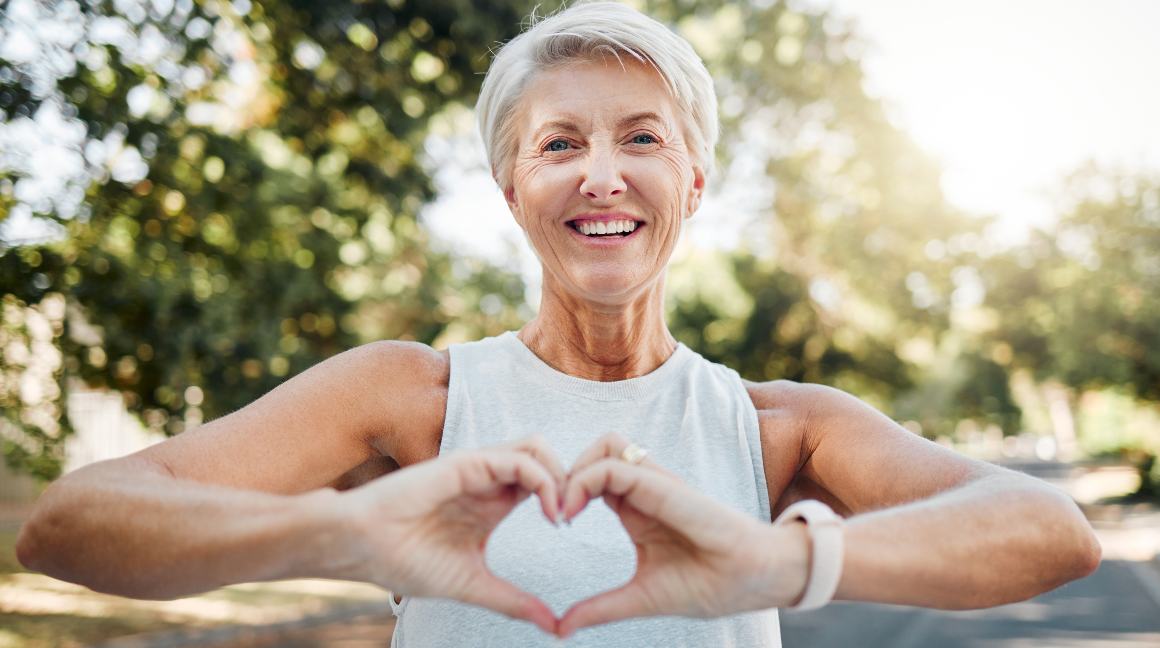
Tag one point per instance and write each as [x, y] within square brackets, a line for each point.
[604, 217]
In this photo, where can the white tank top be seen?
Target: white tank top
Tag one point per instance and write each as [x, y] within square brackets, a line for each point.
[695, 418]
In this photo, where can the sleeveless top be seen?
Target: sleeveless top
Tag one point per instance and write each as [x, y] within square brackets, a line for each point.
[694, 417]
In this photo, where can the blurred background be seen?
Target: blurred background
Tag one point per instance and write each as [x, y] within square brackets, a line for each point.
[950, 209]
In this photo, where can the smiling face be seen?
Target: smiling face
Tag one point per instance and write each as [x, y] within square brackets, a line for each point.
[598, 145]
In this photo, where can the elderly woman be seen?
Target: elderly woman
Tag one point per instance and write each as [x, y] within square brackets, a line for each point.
[600, 125]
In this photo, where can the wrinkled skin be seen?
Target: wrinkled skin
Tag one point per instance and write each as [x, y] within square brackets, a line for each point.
[577, 154]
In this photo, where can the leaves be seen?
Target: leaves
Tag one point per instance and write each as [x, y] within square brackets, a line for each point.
[274, 219]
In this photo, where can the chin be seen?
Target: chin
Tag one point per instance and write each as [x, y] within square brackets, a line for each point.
[607, 289]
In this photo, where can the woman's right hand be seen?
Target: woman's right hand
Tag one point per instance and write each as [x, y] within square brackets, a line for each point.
[421, 531]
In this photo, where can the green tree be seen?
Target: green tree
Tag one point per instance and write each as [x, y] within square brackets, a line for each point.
[250, 202]
[853, 253]
[1080, 303]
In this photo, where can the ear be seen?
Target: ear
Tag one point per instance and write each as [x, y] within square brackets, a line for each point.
[509, 196]
[696, 190]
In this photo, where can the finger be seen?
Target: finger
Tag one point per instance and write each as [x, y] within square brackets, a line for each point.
[649, 491]
[610, 446]
[497, 594]
[625, 602]
[483, 471]
[537, 446]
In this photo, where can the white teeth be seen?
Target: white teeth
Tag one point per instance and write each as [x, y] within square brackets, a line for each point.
[611, 227]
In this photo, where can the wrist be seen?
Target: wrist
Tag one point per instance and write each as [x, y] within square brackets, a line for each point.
[791, 543]
[799, 573]
[330, 545]
[825, 550]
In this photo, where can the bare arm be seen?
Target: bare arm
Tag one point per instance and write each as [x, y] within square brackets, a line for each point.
[1001, 538]
[126, 527]
[238, 499]
[927, 526]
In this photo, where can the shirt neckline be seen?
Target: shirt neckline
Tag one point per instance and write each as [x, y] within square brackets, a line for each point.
[614, 390]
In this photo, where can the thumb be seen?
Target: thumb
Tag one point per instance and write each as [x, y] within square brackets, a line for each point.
[494, 593]
[625, 602]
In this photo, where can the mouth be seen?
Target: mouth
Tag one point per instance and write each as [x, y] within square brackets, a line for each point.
[605, 230]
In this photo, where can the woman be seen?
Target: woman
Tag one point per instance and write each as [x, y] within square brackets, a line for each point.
[599, 125]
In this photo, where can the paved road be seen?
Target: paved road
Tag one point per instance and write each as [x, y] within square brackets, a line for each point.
[1112, 607]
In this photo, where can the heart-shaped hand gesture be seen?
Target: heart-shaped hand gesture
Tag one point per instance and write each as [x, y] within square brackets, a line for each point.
[421, 531]
[695, 556]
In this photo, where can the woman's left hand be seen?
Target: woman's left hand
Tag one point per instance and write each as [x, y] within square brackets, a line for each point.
[696, 557]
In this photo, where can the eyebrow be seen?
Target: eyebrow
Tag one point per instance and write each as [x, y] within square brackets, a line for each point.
[569, 122]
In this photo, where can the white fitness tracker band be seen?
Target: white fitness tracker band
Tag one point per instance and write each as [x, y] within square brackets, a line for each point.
[826, 539]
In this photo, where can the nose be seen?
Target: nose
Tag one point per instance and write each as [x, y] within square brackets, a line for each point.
[602, 179]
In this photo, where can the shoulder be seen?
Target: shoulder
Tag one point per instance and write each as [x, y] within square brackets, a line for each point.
[790, 395]
[396, 369]
[799, 414]
[431, 364]
[812, 409]
[788, 415]
[408, 383]
[774, 394]
[783, 406]
[806, 404]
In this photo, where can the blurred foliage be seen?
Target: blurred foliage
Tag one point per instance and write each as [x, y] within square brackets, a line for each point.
[277, 223]
[250, 181]
[1080, 303]
[855, 255]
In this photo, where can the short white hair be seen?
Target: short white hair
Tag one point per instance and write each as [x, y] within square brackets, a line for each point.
[586, 32]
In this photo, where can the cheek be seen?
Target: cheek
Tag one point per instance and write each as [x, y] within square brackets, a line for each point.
[681, 176]
[540, 183]
[662, 182]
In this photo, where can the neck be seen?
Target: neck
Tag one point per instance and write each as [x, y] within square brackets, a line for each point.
[602, 342]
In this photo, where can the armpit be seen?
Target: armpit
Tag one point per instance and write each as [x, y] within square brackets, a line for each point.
[370, 469]
[803, 488]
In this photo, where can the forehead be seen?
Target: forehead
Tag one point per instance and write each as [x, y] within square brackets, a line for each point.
[593, 94]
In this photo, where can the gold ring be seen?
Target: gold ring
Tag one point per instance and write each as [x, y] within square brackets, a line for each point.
[633, 454]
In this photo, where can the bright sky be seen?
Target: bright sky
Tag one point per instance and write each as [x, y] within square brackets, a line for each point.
[1010, 96]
